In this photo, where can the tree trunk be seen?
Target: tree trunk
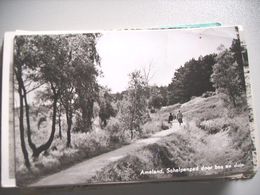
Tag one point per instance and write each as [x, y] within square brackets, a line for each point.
[46, 146]
[132, 134]
[69, 135]
[59, 120]
[21, 125]
[36, 151]
[27, 112]
[69, 124]
[105, 122]
[87, 112]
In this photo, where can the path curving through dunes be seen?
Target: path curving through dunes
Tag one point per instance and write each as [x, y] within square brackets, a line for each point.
[81, 172]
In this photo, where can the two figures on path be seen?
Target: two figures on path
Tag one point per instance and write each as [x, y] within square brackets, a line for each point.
[179, 117]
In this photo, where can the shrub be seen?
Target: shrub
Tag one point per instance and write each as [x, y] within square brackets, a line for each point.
[91, 141]
[116, 131]
[150, 128]
[213, 126]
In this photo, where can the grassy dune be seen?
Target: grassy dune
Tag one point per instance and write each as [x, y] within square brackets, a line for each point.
[213, 134]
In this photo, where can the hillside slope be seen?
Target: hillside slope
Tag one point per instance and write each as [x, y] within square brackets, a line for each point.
[215, 139]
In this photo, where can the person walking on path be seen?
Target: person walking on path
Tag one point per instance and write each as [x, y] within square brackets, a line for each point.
[179, 117]
[170, 119]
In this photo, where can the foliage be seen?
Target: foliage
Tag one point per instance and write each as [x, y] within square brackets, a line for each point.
[157, 156]
[216, 121]
[83, 145]
[192, 79]
[116, 131]
[191, 146]
[226, 76]
[106, 108]
[62, 72]
[238, 49]
[156, 99]
[134, 109]
[64, 68]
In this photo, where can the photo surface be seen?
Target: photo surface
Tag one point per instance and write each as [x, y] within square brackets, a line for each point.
[131, 106]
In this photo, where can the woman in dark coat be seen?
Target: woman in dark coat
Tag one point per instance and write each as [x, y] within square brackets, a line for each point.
[170, 119]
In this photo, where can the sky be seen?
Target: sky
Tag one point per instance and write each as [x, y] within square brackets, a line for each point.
[123, 52]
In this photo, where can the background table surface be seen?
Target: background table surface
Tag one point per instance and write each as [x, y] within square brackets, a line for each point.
[118, 14]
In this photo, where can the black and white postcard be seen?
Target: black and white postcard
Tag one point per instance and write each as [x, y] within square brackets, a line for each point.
[130, 106]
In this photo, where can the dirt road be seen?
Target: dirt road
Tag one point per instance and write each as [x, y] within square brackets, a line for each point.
[81, 172]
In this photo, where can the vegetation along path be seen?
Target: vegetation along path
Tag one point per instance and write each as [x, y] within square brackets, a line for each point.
[85, 170]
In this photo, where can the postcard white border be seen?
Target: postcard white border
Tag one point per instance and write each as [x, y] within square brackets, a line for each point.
[6, 180]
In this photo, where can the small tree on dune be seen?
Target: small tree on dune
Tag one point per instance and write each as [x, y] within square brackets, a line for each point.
[134, 111]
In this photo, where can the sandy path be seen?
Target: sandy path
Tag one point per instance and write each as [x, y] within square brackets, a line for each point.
[81, 172]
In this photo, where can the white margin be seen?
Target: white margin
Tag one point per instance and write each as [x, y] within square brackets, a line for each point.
[6, 181]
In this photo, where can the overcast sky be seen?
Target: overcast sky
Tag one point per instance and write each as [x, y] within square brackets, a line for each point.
[122, 52]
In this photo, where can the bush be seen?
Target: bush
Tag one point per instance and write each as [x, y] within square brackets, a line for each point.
[116, 131]
[92, 141]
[213, 126]
[150, 128]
